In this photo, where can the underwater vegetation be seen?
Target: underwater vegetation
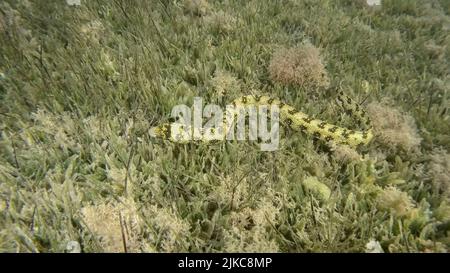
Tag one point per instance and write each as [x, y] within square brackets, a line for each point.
[81, 85]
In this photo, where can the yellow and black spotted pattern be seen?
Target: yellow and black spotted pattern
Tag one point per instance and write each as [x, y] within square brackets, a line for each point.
[296, 120]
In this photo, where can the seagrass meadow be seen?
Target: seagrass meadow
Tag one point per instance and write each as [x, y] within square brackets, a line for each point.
[81, 86]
